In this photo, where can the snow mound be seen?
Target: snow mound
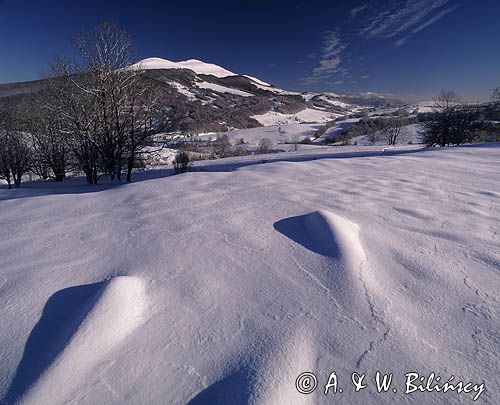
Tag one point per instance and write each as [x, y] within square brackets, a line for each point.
[336, 237]
[337, 240]
[112, 313]
[285, 364]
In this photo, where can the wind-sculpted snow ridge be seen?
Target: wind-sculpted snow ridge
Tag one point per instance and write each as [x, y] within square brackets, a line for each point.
[114, 311]
[284, 357]
[337, 240]
[337, 237]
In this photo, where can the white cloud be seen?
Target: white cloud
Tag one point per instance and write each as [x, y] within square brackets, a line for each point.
[405, 18]
[438, 16]
[396, 20]
[356, 10]
[331, 58]
[400, 42]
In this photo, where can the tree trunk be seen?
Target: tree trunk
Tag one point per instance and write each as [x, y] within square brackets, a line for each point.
[90, 179]
[119, 170]
[130, 166]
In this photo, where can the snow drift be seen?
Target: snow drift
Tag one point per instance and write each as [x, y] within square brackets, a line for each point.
[86, 327]
[244, 274]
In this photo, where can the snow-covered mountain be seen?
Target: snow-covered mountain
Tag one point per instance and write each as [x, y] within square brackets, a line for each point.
[210, 98]
[203, 68]
[195, 65]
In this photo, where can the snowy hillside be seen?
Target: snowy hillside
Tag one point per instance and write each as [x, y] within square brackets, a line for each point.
[223, 285]
[197, 66]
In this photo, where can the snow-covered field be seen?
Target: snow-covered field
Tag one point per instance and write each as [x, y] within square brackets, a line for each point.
[222, 285]
[278, 135]
[308, 115]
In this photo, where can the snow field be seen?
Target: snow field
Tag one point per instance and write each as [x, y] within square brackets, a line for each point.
[245, 276]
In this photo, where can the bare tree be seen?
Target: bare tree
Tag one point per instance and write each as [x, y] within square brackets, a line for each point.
[106, 52]
[47, 138]
[296, 138]
[182, 162]
[372, 137]
[147, 116]
[70, 116]
[450, 123]
[496, 95]
[15, 154]
[222, 146]
[106, 112]
[393, 130]
[264, 145]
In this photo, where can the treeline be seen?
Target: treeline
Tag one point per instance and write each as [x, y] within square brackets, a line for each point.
[370, 127]
[451, 122]
[94, 116]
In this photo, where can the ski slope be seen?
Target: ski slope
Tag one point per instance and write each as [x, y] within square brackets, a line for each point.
[222, 285]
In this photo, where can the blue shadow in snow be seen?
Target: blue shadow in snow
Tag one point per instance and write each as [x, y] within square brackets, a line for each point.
[231, 390]
[322, 242]
[62, 315]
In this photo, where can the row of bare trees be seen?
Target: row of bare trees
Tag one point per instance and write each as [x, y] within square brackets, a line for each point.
[95, 116]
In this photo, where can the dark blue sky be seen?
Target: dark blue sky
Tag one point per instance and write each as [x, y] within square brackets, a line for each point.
[410, 48]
